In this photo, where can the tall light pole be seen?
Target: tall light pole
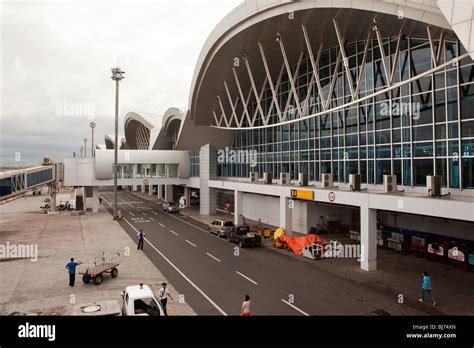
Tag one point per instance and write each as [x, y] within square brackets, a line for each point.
[92, 125]
[117, 75]
[85, 147]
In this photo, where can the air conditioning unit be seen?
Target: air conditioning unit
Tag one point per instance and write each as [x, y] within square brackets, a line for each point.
[390, 183]
[47, 160]
[268, 178]
[433, 184]
[354, 182]
[253, 176]
[327, 180]
[285, 178]
[303, 179]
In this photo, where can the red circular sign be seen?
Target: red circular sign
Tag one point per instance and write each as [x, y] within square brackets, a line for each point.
[145, 181]
[331, 197]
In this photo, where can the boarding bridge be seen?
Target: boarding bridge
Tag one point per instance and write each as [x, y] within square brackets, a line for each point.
[17, 182]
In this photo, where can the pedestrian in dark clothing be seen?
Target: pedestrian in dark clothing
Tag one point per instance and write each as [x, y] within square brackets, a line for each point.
[100, 199]
[426, 289]
[163, 297]
[141, 238]
[71, 267]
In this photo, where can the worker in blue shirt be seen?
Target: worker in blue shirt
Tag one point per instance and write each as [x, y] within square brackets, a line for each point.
[141, 238]
[71, 267]
[426, 288]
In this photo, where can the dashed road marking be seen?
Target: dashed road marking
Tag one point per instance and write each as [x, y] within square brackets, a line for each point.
[181, 273]
[159, 223]
[215, 258]
[194, 245]
[132, 214]
[294, 307]
[243, 275]
[174, 233]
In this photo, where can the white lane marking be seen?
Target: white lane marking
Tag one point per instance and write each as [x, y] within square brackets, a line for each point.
[194, 245]
[144, 214]
[174, 233]
[152, 219]
[159, 223]
[294, 307]
[181, 273]
[243, 275]
[215, 258]
[132, 214]
[154, 212]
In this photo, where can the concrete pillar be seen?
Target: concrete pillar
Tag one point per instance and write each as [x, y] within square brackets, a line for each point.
[286, 215]
[368, 238]
[160, 191]
[95, 199]
[134, 187]
[168, 192]
[187, 196]
[150, 190]
[207, 171]
[238, 207]
[143, 188]
[53, 200]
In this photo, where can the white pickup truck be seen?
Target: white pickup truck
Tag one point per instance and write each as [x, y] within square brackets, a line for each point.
[140, 300]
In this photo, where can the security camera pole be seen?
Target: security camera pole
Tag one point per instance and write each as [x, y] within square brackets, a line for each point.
[117, 75]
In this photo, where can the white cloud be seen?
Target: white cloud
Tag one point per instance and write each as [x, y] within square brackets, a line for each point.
[56, 51]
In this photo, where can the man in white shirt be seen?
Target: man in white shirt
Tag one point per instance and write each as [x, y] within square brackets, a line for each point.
[163, 297]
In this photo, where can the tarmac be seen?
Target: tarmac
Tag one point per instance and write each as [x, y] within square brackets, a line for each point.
[41, 287]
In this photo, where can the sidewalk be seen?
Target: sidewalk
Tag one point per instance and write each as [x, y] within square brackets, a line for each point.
[397, 274]
[41, 287]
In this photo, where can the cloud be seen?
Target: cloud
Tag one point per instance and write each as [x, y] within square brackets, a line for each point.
[56, 53]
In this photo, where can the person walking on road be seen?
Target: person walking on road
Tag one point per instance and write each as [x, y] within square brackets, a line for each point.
[245, 306]
[426, 289]
[163, 297]
[100, 199]
[71, 267]
[141, 238]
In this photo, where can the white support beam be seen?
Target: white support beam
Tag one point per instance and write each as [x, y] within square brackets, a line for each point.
[244, 101]
[362, 65]
[382, 51]
[222, 110]
[277, 87]
[333, 81]
[345, 60]
[290, 75]
[432, 50]
[262, 91]
[252, 82]
[270, 83]
[397, 53]
[314, 65]
[232, 105]
[288, 102]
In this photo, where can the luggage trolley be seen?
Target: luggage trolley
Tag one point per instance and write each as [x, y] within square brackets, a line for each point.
[94, 269]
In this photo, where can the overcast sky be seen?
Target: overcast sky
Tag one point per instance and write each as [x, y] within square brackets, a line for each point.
[55, 69]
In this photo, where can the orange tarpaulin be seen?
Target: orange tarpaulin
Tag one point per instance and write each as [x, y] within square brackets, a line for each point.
[298, 243]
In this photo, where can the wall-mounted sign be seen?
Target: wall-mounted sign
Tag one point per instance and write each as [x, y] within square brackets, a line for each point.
[145, 182]
[331, 197]
[302, 194]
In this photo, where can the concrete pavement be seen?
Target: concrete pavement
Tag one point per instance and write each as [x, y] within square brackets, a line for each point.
[41, 287]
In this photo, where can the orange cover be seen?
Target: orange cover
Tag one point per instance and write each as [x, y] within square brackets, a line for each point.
[298, 243]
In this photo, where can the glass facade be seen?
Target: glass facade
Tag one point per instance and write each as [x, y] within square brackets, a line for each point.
[194, 163]
[425, 127]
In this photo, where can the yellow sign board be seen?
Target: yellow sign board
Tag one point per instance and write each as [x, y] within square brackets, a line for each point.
[302, 194]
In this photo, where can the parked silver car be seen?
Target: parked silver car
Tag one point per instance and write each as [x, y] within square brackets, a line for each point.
[170, 207]
[220, 227]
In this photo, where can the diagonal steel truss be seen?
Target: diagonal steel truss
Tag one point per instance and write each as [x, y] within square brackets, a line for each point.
[324, 102]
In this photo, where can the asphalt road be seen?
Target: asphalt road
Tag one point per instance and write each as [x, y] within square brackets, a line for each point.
[214, 275]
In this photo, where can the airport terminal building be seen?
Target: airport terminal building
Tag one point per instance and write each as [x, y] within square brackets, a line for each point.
[305, 113]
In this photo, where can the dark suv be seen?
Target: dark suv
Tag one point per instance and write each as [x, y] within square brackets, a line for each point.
[243, 236]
